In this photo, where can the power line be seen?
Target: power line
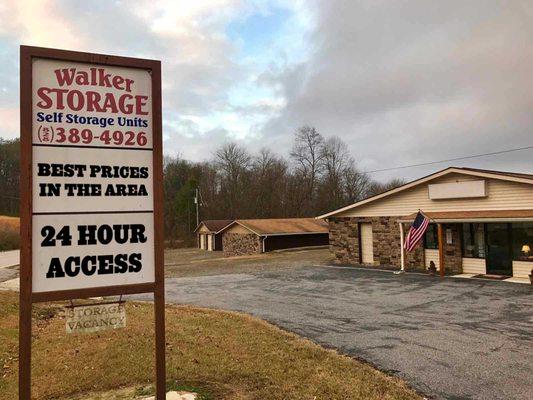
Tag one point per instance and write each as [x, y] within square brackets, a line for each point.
[451, 159]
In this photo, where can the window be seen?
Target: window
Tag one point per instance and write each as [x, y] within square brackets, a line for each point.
[473, 241]
[431, 240]
[523, 241]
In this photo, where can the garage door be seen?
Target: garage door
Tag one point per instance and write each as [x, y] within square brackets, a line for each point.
[367, 247]
[210, 242]
[202, 242]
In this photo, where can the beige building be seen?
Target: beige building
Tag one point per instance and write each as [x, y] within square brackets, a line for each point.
[481, 224]
[209, 234]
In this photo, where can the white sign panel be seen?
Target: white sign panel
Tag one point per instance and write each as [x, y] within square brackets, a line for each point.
[92, 250]
[457, 190]
[92, 174]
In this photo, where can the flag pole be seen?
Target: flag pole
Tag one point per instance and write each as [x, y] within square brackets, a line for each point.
[402, 243]
[402, 252]
[425, 215]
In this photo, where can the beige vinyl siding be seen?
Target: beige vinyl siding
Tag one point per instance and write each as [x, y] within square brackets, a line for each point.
[202, 241]
[367, 244]
[521, 269]
[210, 242]
[502, 195]
[432, 255]
[474, 266]
[203, 229]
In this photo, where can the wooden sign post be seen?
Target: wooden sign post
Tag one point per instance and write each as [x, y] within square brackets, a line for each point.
[91, 186]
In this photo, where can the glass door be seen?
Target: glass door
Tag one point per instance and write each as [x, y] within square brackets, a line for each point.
[499, 250]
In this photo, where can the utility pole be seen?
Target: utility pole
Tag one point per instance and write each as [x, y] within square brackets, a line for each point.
[197, 202]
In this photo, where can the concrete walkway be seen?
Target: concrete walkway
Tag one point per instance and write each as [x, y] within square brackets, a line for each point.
[9, 258]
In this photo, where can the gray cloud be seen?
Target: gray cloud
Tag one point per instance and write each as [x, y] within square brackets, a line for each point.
[199, 69]
[408, 82]
[399, 82]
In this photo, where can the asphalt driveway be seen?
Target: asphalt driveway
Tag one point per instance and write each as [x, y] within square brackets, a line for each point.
[452, 339]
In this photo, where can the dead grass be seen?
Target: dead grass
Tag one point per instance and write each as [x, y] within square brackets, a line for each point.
[9, 233]
[196, 262]
[224, 355]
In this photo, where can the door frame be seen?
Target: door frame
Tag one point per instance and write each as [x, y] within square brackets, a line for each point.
[359, 237]
[359, 243]
[510, 245]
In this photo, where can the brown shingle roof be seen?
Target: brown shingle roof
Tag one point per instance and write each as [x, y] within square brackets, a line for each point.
[284, 225]
[214, 225]
[457, 215]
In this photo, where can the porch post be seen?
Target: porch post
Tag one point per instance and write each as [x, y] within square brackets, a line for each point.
[402, 251]
[441, 249]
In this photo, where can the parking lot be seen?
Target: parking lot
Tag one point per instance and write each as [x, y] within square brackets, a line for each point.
[451, 338]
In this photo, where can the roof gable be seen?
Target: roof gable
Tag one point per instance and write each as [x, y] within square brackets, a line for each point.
[214, 225]
[498, 175]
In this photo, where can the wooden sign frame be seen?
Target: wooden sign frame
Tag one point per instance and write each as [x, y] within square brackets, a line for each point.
[27, 297]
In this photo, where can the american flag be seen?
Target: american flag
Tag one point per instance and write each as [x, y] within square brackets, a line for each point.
[416, 232]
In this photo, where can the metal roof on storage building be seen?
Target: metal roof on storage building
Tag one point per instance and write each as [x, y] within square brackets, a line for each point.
[280, 226]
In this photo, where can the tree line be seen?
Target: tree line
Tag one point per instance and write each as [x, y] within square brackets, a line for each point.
[318, 176]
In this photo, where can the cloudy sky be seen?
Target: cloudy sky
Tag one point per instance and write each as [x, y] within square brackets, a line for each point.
[401, 82]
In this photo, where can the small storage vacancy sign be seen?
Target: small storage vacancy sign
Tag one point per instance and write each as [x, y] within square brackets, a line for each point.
[92, 176]
[95, 318]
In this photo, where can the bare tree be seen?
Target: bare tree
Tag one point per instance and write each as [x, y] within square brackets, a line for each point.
[269, 183]
[379, 187]
[335, 159]
[233, 162]
[356, 184]
[307, 157]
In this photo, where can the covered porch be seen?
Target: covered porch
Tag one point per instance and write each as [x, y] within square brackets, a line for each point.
[494, 244]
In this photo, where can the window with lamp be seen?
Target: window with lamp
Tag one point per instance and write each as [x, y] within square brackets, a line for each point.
[523, 241]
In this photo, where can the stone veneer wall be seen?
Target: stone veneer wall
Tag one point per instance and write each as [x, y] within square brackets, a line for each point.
[453, 261]
[344, 242]
[238, 244]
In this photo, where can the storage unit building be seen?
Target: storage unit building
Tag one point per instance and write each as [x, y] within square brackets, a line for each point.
[209, 235]
[254, 236]
[485, 219]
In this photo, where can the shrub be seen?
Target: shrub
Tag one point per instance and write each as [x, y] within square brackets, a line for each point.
[9, 233]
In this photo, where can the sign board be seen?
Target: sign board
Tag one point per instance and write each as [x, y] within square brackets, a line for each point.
[91, 185]
[92, 161]
[95, 317]
[449, 236]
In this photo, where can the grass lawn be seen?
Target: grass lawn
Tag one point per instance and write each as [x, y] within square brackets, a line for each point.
[196, 262]
[221, 354]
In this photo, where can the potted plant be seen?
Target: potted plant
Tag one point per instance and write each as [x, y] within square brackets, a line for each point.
[432, 268]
